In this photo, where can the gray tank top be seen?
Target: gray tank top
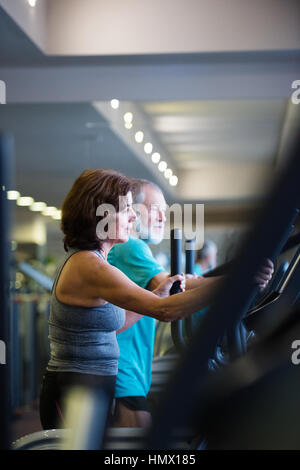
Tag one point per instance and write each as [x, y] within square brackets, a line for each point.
[83, 339]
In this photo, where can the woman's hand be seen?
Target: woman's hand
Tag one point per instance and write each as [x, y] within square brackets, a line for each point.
[163, 289]
[264, 275]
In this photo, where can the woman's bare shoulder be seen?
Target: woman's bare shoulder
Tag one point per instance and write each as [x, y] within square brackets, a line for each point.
[84, 256]
[83, 263]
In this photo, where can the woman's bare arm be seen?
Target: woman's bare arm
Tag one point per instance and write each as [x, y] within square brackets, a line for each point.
[109, 283]
[162, 290]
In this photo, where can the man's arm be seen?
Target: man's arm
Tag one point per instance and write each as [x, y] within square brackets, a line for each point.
[156, 280]
[261, 279]
[130, 319]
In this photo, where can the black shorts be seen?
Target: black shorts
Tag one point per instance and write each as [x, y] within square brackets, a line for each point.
[134, 403]
[56, 385]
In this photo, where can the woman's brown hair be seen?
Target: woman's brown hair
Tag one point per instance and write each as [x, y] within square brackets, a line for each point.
[79, 219]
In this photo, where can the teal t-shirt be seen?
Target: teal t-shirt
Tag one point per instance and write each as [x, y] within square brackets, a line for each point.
[135, 259]
[198, 269]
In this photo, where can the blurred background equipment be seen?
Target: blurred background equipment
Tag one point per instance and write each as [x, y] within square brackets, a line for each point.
[231, 305]
[6, 159]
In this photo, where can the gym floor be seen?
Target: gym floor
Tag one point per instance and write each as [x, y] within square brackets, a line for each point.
[25, 421]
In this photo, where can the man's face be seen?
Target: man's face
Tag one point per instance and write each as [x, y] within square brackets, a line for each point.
[152, 215]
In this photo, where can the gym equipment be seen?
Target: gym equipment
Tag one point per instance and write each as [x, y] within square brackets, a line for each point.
[44, 281]
[189, 256]
[286, 291]
[53, 439]
[235, 342]
[6, 158]
[267, 380]
[189, 269]
[177, 327]
[116, 439]
[176, 240]
[176, 237]
[184, 391]
[86, 412]
[163, 366]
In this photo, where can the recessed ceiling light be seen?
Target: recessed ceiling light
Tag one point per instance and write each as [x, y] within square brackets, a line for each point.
[168, 173]
[114, 103]
[148, 147]
[32, 3]
[155, 157]
[38, 206]
[50, 211]
[57, 215]
[162, 166]
[13, 195]
[25, 201]
[173, 180]
[128, 117]
[139, 136]
[128, 125]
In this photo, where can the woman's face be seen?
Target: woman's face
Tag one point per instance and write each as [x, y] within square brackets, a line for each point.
[124, 219]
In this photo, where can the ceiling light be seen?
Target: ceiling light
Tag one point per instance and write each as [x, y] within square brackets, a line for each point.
[139, 137]
[128, 125]
[155, 157]
[57, 215]
[13, 195]
[25, 201]
[32, 3]
[128, 117]
[50, 211]
[148, 147]
[38, 206]
[114, 103]
[173, 180]
[162, 166]
[168, 173]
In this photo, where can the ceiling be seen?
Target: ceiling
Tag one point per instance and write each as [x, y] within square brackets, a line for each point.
[15, 45]
[198, 133]
[223, 147]
[54, 143]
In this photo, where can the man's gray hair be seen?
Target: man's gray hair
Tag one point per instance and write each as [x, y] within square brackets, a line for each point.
[138, 189]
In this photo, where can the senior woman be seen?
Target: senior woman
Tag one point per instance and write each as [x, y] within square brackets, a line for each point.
[90, 296]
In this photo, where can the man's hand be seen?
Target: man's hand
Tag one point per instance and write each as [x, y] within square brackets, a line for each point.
[191, 276]
[163, 290]
[262, 278]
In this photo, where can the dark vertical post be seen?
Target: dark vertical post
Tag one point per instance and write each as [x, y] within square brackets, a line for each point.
[190, 256]
[189, 269]
[5, 160]
[176, 237]
[176, 326]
